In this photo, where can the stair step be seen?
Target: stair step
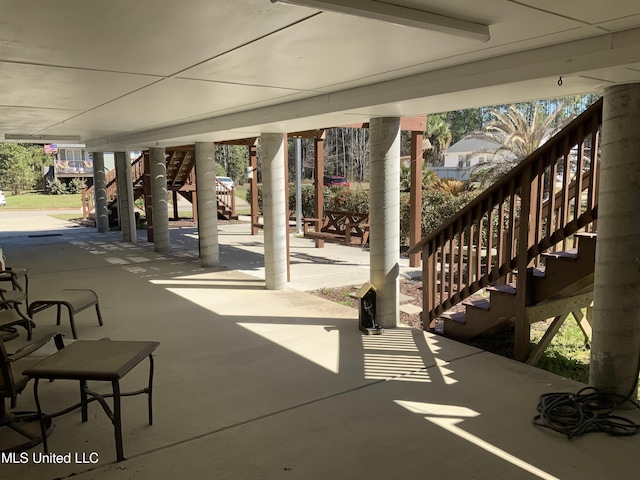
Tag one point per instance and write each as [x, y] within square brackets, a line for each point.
[482, 303]
[454, 316]
[508, 288]
[571, 254]
[586, 234]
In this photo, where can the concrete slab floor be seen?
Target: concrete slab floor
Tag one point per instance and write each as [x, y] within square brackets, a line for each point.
[257, 384]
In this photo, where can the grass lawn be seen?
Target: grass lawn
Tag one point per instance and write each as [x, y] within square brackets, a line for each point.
[568, 354]
[241, 191]
[42, 201]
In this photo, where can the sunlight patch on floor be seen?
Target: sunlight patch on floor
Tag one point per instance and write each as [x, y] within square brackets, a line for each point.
[449, 416]
[319, 344]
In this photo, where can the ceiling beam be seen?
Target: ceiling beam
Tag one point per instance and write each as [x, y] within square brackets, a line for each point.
[399, 15]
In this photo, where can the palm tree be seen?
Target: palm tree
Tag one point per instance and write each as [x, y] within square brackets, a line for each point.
[439, 136]
[520, 135]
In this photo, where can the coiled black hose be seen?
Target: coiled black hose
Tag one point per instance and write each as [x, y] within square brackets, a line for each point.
[588, 410]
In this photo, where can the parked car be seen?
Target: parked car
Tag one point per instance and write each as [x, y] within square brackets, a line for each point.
[335, 181]
[226, 181]
[3, 201]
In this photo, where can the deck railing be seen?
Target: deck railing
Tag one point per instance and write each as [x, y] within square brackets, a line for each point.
[536, 207]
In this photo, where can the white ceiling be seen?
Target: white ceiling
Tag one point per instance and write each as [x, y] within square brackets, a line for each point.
[129, 74]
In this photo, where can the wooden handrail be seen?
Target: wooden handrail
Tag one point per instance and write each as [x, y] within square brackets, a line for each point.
[226, 196]
[483, 243]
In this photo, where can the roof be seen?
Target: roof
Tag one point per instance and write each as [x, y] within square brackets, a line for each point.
[217, 70]
[474, 143]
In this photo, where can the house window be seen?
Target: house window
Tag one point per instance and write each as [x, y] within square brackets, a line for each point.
[71, 154]
[460, 161]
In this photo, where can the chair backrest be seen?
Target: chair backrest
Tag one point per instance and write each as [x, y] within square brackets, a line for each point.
[7, 386]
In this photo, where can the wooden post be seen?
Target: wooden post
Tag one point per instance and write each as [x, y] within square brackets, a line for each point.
[174, 198]
[253, 164]
[148, 208]
[286, 202]
[415, 201]
[318, 161]
[194, 194]
[522, 326]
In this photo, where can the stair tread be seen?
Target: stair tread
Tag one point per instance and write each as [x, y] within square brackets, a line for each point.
[573, 254]
[482, 303]
[508, 288]
[586, 234]
[454, 316]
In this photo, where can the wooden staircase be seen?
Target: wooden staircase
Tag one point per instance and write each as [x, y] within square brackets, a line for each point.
[539, 219]
[565, 274]
[180, 181]
[88, 194]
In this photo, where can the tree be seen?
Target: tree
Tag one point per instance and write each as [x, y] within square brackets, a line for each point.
[16, 174]
[233, 159]
[461, 122]
[439, 135]
[520, 131]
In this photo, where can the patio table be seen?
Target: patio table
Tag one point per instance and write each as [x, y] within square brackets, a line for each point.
[95, 360]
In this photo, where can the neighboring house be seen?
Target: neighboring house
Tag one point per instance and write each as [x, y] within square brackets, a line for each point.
[70, 161]
[470, 151]
[73, 161]
[461, 157]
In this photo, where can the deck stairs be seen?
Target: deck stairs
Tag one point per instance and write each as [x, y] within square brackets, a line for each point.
[523, 251]
[180, 181]
[565, 274]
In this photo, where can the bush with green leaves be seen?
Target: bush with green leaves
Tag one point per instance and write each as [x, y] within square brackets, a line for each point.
[437, 207]
[334, 199]
[55, 187]
[76, 185]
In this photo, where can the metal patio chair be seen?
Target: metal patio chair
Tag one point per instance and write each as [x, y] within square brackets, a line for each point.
[12, 383]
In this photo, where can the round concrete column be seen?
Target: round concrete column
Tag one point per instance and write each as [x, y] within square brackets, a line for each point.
[274, 210]
[159, 199]
[100, 192]
[126, 212]
[615, 349]
[207, 204]
[384, 217]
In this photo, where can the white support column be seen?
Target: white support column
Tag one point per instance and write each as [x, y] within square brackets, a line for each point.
[126, 207]
[384, 217]
[100, 189]
[615, 350]
[207, 204]
[274, 210]
[159, 199]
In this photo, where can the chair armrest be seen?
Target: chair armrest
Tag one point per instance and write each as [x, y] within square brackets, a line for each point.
[10, 303]
[37, 344]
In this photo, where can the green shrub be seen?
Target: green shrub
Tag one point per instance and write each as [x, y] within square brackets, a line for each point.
[76, 185]
[334, 199]
[55, 187]
[437, 205]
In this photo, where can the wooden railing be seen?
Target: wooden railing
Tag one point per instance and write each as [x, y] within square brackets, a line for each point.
[536, 207]
[226, 196]
[88, 194]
